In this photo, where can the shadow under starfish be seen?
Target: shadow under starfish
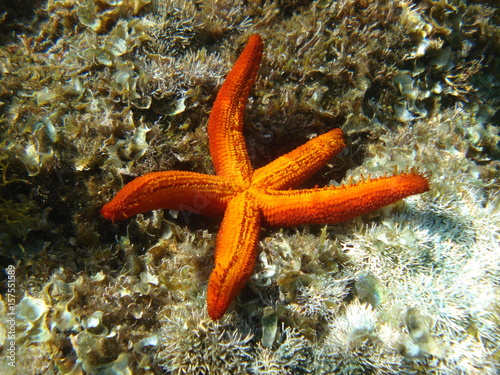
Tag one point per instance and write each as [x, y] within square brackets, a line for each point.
[248, 198]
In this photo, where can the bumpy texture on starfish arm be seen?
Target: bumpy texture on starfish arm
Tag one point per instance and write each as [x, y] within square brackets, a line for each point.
[225, 126]
[296, 167]
[336, 204]
[235, 253]
[175, 190]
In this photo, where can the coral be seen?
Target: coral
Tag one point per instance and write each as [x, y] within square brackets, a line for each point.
[320, 298]
[358, 343]
[289, 356]
[437, 258]
[192, 343]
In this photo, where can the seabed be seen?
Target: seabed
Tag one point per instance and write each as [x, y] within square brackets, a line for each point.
[94, 93]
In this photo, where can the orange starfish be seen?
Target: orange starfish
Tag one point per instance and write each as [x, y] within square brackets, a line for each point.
[248, 198]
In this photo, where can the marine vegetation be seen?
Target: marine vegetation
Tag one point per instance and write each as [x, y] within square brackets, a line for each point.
[95, 93]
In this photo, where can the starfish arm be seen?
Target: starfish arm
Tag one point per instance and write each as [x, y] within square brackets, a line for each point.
[177, 190]
[336, 204]
[294, 168]
[235, 253]
[225, 126]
